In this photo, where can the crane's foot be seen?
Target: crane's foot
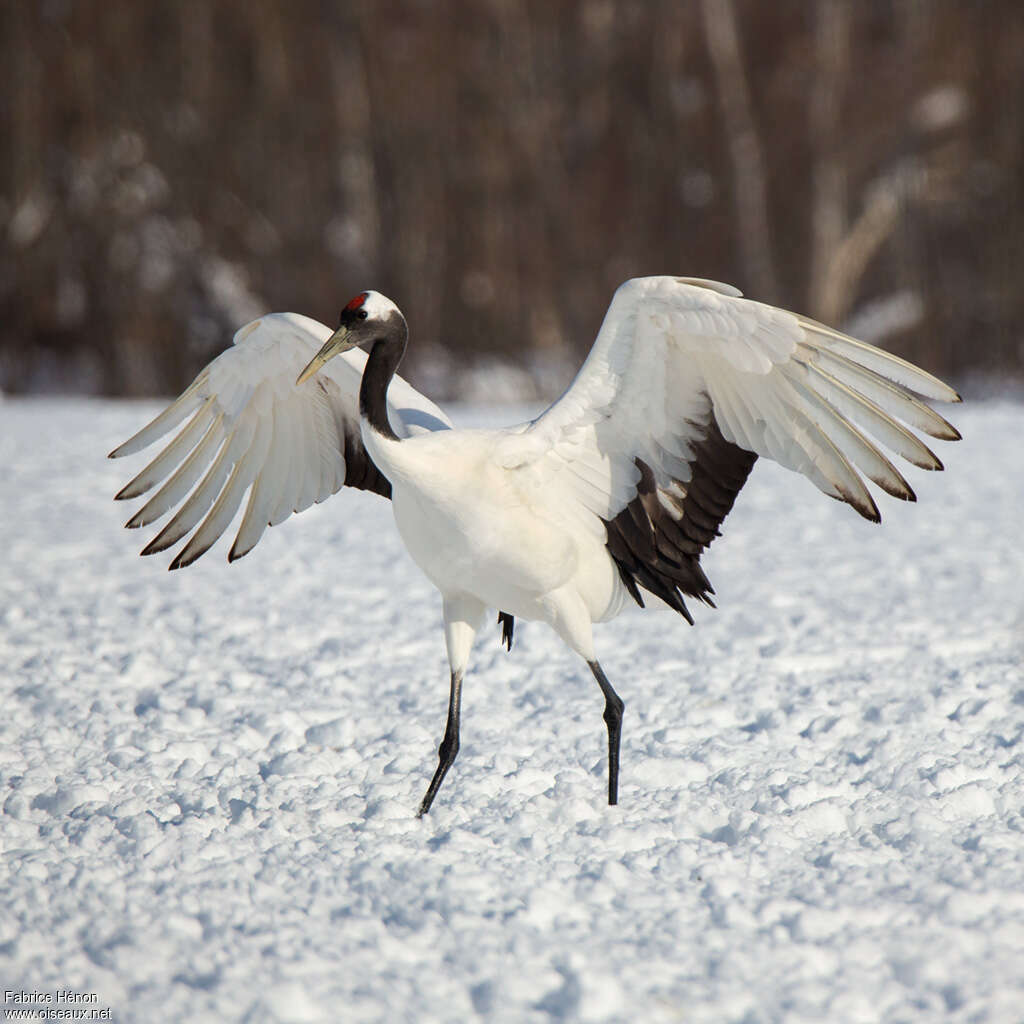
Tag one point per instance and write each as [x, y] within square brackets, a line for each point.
[449, 748]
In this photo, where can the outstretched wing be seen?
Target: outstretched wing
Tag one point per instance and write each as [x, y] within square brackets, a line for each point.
[251, 429]
[685, 386]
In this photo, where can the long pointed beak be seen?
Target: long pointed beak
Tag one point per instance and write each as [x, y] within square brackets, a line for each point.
[337, 343]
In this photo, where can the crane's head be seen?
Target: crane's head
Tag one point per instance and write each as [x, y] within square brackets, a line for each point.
[367, 318]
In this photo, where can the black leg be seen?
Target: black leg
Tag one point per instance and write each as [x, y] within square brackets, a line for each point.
[449, 745]
[613, 719]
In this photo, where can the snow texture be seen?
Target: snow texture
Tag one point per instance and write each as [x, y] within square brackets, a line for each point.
[209, 778]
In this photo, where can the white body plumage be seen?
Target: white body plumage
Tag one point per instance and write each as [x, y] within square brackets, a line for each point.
[618, 487]
[484, 531]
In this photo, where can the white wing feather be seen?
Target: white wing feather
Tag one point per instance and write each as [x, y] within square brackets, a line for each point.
[673, 353]
[252, 430]
[672, 356]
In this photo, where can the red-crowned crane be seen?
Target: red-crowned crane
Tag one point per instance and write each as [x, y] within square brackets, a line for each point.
[615, 489]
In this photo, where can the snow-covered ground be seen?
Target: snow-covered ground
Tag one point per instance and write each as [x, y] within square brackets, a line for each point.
[209, 778]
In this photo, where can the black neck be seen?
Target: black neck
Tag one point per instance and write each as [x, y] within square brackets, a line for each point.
[384, 358]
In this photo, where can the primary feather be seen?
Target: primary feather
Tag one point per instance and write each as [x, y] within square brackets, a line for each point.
[614, 491]
[255, 430]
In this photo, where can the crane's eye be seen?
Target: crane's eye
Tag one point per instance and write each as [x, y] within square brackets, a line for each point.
[362, 314]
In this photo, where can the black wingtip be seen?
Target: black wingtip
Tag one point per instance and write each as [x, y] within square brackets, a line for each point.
[234, 554]
[181, 561]
[868, 510]
[156, 545]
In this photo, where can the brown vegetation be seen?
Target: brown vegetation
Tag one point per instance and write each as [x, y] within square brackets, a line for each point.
[172, 168]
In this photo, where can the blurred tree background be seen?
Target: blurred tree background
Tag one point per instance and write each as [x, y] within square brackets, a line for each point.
[172, 168]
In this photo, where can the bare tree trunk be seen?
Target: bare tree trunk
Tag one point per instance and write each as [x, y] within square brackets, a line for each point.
[28, 97]
[355, 172]
[828, 223]
[195, 26]
[882, 208]
[748, 166]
